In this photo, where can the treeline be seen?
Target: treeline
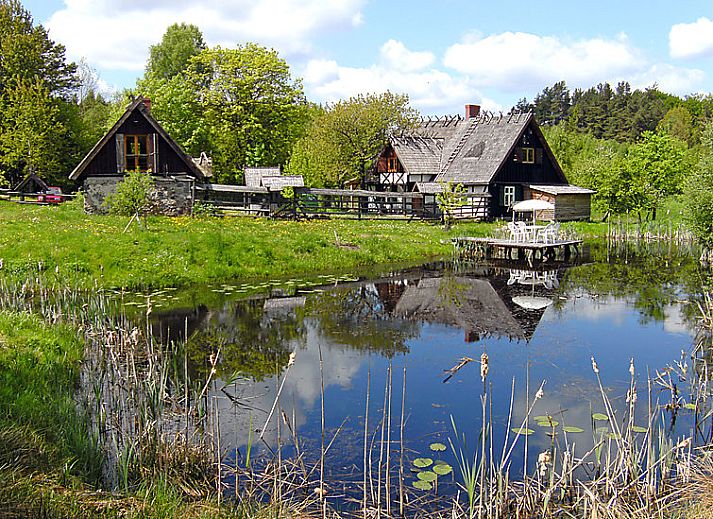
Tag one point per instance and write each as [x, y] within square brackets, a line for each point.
[620, 113]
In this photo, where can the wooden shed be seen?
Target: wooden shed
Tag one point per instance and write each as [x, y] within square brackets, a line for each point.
[571, 202]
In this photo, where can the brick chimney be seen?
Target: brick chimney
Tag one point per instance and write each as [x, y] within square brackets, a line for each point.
[471, 111]
[147, 103]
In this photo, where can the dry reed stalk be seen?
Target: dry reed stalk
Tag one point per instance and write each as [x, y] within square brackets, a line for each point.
[366, 439]
[401, 446]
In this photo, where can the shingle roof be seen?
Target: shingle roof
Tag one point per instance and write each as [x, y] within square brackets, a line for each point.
[418, 155]
[277, 182]
[467, 151]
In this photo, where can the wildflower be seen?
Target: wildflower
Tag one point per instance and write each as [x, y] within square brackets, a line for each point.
[484, 366]
[595, 368]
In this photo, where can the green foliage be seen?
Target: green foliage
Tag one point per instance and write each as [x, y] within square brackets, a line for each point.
[449, 200]
[132, 195]
[343, 140]
[178, 45]
[698, 193]
[249, 102]
[35, 87]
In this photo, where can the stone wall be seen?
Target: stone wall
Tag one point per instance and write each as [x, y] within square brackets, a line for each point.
[171, 196]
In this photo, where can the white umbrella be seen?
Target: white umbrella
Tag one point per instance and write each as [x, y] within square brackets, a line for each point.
[532, 302]
[532, 205]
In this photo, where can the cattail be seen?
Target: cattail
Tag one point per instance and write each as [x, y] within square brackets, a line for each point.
[543, 463]
[594, 366]
[631, 367]
[484, 366]
[540, 393]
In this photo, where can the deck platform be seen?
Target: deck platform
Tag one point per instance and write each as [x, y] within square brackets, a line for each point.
[488, 248]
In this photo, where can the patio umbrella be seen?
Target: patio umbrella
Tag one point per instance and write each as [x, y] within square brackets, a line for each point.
[532, 302]
[533, 205]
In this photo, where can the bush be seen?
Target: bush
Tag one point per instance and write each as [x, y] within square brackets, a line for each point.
[132, 195]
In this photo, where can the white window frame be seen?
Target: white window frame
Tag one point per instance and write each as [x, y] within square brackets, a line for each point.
[509, 193]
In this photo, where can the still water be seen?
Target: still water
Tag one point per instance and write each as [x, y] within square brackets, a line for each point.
[350, 335]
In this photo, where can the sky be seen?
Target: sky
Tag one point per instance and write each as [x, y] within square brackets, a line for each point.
[442, 53]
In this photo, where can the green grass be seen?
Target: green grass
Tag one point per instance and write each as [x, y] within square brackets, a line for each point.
[69, 245]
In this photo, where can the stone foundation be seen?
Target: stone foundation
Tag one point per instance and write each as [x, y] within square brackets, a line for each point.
[171, 196]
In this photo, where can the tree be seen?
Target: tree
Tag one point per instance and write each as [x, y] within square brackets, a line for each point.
[344, 140]
[252, 106]
[451, 197]
[32, 135]
[698, 194]
[132, 196]
[178, 45]
[36, 84]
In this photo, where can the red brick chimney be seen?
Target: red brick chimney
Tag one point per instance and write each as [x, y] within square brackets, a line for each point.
[471, 111]
[147, 104]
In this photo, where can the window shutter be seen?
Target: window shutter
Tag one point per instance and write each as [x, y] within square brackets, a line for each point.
[153, 152]
[501, 190]
[120, 158]
[538, 155]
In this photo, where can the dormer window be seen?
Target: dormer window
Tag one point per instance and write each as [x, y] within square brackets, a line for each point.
[392, 165]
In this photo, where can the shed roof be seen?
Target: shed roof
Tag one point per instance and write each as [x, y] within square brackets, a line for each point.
[278, 182]
[564, 189]
[139, 105]
[253, 175]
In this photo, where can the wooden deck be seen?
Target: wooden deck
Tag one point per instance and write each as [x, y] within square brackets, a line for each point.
[488, 248]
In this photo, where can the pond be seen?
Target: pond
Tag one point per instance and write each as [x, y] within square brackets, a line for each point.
[417, 337]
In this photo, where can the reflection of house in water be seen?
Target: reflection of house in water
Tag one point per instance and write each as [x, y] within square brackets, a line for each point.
[172, 326]
[482, 307]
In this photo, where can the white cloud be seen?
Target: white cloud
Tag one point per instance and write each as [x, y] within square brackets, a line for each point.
[669, 78]
[395, 55]
[691, 40]
[398, 70]
[520, 61]
[116, 35]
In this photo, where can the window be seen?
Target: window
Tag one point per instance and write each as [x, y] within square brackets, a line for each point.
[136, 152]
[392, 164]
[508, 195]
[528, 155]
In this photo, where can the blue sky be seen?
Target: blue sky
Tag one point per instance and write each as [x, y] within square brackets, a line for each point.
[443, 53]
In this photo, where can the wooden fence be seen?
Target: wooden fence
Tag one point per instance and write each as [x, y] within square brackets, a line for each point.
[324, 203]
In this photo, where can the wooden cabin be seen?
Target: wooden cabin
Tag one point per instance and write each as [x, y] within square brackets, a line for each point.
[497, 159]
[138, 142]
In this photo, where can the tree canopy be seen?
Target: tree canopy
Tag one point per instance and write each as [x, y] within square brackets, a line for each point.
[343, 141]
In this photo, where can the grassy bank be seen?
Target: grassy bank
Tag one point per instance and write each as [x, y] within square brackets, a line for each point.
[50, 465]
[68, 244]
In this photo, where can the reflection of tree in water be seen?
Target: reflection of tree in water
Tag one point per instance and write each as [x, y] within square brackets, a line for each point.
[652, 276]
[253, 340]
[360, 317]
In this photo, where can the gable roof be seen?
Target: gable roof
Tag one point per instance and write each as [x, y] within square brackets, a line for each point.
[467, 151]
[137, 104]
[32, 180]
[253, 175]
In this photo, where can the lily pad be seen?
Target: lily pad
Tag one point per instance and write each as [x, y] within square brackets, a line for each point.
[548, 423]
[614, 436]
[639, 429]
[601, 417]
[422, 463]
[437, 447]
[572, 429]
[541, 418]
[422, 485]
[427, 475]
[442, 469]
[689, 405]
[522, 430]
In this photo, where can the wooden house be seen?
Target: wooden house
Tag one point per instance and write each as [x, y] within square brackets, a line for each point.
[31, 184]
[499, 160]
[138, 142]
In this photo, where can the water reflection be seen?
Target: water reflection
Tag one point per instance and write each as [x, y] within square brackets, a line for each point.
[536, 325]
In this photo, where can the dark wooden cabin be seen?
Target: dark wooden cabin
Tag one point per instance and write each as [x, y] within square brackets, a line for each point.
[138, 142]
[499, 160]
